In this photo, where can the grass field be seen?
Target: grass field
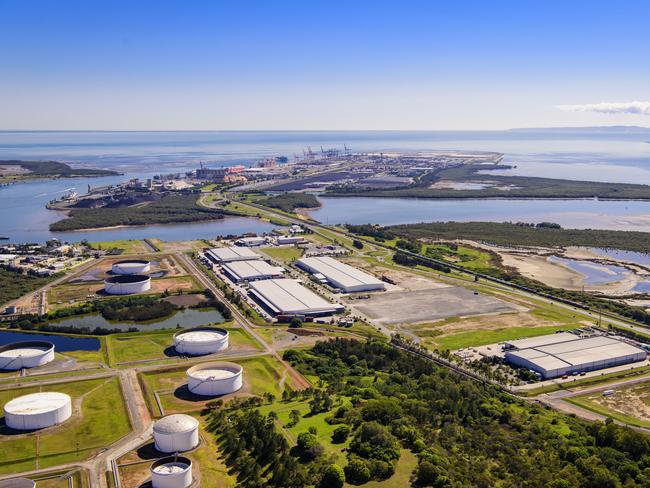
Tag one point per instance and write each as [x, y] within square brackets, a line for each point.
[464, 256]
[482, 337]
[588, 403]
[324, 430]
[405, 466]
[141, 346]
[262, 374]
[103, 420]
[130, 246]
[284, 253]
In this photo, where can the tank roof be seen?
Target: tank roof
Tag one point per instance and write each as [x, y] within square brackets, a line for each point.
[171, 464]
[201, 335]
[133, 261]
[25, 348]
[172, 424]
[36, 403]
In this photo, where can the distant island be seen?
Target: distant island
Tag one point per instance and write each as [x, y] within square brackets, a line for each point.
[16, 170]
[168, 209]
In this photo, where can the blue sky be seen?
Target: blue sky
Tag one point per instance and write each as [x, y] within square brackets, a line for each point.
[162, 65]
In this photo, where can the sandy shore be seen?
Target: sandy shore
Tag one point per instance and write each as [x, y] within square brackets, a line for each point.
[559, 275]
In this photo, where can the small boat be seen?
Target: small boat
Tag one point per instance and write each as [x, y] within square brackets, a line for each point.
[4, 238]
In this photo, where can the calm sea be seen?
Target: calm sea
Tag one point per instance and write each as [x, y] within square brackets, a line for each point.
[579, 154]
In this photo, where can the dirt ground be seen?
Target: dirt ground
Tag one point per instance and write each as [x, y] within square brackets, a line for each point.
[425, 305]
[486, 322]
[633, 401]
[403, 279]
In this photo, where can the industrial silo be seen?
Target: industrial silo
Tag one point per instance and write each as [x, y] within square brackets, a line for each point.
[171, 472]
[215, 378]
[38, 410]
[26, 354]
[200, 341]
[176, 433]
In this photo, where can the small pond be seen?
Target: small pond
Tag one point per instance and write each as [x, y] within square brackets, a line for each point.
[187, 318]
[61, 343]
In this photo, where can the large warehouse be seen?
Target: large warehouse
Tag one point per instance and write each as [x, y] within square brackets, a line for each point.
[289, 297]
[340, 275]
[564, 353]
[230, 254]
[254, 269]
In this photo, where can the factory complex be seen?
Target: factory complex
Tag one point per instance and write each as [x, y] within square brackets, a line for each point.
[251, 270]
[340, 275]
[288, 297]
[563, 354]
[221, 255]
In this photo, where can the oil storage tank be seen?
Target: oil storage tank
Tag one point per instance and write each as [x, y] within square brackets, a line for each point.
[38, 410]
[127, 284]
[215, 378]
[176, 433]
[131, 267]
[171, 472]
[25, 354]
[200, 341]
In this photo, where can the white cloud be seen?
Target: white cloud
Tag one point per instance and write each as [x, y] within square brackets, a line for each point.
[636, 107]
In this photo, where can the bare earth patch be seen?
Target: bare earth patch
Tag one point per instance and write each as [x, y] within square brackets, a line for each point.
[633, 401]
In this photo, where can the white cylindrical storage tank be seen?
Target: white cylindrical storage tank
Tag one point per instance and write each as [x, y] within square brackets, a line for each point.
[127, 284]
[171, 472]
[176, 433]
[38, 410]
[26, 354]
[215, 378]
[131, 267]
[199, 341]
[18, 483]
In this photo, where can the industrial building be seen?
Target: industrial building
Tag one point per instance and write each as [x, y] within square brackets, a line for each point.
[131, 267]
[38, 410]
[251, 241]
[340, 275]
[289, 297]
[172, 472]
[563, 354]
[221, 255]
[127, 284]
[176, 433]
[26, 354]
[251, 270]
[215, 378]
[200, 341]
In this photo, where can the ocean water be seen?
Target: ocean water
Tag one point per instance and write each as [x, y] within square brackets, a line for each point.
[578, 154]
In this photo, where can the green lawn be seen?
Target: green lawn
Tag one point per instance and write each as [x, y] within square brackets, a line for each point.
[130, 246]
[401, 479]
[103, 420]
[283, 253]
[324, 430]
[138, 346]
[482, 337]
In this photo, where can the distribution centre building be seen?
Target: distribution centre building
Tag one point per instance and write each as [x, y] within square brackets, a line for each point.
[289, 297]
[563, 354]
[254, 269]
[341, 275]
[231, 254]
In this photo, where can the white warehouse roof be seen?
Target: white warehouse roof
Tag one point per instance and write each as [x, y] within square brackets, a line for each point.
[229, 254]
[252, 270]
[341, 275]
[553, 356]
[285, 296]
